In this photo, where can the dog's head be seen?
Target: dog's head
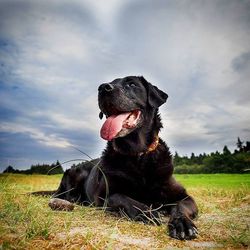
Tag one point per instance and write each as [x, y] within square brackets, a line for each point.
[125, 102]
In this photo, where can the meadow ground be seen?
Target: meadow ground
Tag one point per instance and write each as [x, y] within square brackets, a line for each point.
[26, 221]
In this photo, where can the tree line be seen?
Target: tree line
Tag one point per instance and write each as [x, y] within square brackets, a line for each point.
[224, 162]
[54, 168]
[218, 162]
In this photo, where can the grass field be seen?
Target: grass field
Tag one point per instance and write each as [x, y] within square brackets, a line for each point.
[26, 221]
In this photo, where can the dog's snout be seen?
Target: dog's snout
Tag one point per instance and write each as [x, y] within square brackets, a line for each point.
[101, 87]
[106, 87]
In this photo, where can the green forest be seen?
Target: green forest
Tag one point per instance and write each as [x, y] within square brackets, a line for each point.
[218, 162]
[54, 168]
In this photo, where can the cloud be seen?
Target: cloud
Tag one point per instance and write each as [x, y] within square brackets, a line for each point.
[242, 62]
[48, 140]
[53, 56]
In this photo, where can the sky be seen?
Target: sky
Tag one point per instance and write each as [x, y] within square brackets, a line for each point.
[54, 54]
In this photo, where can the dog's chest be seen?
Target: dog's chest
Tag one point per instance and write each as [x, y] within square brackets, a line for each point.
[132, 176]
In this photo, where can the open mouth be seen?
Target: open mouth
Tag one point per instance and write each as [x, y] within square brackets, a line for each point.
[120, 125]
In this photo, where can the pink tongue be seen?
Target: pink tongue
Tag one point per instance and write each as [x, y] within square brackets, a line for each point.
[113, 125]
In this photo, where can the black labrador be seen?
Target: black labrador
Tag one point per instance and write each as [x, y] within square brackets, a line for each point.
[135, 171]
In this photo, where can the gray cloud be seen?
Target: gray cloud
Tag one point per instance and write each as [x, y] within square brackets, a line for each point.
[242, 62]
[55, 54]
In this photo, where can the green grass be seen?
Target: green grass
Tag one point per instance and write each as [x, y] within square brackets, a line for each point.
[26, 221]
[225, 181]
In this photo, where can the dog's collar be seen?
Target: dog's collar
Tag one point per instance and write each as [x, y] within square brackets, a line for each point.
[152, 147]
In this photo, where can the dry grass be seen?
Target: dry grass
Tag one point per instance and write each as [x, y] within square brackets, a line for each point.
[26, 222]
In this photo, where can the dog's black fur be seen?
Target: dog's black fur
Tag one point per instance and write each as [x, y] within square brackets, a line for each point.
[128, 176]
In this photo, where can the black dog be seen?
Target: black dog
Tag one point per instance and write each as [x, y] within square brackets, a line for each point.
[135, 170]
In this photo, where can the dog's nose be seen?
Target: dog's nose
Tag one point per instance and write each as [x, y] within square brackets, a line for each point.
[106, 87]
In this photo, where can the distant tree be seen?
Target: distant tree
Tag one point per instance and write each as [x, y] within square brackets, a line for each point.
[176, 159]
[192, 158]
[56, 168]
[239, 144]
[226, 151]
[247, 147]
[200, 159]
[9, 169]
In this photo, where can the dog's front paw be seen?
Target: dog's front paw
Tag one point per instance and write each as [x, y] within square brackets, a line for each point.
[182, 228]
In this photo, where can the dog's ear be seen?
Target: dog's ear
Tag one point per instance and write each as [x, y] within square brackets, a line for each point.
[100, 115]
[156, 97]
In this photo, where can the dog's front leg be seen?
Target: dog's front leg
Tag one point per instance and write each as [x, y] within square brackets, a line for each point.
[134, 209]
[182, 209]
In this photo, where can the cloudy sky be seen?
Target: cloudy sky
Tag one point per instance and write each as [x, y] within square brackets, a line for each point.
[54, 54]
